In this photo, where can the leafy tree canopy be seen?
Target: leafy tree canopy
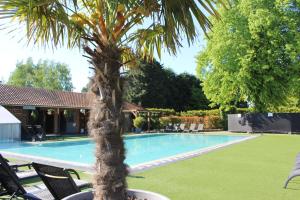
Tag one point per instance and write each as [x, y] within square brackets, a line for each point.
[44, 74]
[253, 54]
[154, 86]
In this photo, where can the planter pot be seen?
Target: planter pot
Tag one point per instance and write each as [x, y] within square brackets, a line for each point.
[139, 194]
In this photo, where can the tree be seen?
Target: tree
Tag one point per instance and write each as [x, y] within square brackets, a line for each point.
[154, 86]
[189, 95]
[253, 54]
[110, 33]
[147, 85]
[44, 74]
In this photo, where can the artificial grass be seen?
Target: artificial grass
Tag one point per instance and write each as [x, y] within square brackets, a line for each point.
[251, 170]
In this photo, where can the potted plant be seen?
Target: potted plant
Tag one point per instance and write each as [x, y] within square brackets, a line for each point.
[132, 194]
[139, 123]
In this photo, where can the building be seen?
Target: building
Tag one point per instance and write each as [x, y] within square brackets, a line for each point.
[57, 111]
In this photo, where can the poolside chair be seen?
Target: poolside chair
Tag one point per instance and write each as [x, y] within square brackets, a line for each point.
[12, 187]
[192, 127]
[295, 171]
[169, 128]
[199, 128]
[42, 135]
[59, 181]
[21, 175]
[181, 127]
[15, 165]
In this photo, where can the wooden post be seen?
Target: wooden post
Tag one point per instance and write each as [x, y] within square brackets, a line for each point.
[56, 120]
[149, 121]
[77, 120]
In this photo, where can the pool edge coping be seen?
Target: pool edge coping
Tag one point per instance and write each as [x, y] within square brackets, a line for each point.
[135, 168]
[184, 156]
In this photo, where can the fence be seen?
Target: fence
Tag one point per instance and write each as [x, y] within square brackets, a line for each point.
[264, 122]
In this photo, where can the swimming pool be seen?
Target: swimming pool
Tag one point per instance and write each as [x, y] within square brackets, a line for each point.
[139, 149]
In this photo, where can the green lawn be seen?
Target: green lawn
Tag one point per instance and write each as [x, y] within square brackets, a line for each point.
[251, 170]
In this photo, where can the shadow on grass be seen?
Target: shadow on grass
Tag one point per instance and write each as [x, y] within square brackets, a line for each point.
[133, 176]
[295, 185]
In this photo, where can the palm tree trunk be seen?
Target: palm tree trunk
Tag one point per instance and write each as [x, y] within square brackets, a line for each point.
[105, 125]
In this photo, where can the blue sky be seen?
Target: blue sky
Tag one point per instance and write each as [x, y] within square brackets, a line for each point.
[12, 50]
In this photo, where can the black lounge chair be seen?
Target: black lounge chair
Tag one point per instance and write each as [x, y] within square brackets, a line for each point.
[21, 175]
[15, 165]
[12, 187]
[42, 135]
[59, 181]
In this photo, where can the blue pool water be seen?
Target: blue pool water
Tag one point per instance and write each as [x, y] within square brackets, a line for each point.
[140, 149]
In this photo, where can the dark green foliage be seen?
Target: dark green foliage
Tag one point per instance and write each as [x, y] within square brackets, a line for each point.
[154, 86]
[44, 74]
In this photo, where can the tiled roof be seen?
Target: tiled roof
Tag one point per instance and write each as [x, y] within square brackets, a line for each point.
[132, 107]
[26, 96]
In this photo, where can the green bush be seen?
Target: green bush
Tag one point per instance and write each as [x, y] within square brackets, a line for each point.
[155, 123]
[288, 110]
[164, 121]
[243, 110]
[200, 113]
[139, 122]
[163, 111]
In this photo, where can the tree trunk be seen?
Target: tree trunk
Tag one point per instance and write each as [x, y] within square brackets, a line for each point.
[106, 125]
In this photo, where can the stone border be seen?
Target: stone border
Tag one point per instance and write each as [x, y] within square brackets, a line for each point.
[184, 156]
[133, 169]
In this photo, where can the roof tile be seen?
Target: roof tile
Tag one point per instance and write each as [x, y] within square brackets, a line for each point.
[24, 96]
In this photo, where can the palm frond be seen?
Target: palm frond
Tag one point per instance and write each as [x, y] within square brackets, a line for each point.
[46, 21]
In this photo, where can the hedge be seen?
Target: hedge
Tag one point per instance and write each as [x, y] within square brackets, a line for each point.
[201, 113]
[210, 122]
[163, 111]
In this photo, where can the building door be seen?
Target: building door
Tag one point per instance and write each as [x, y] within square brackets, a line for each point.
[62, 122]
[49, 122]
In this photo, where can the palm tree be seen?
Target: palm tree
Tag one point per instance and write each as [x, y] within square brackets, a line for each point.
[112, 33]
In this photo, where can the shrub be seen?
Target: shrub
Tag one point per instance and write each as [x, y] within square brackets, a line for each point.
[200, 113]
[243, 110]
[163, 111]
[210, 122]
[155, 123]
[213, 122]
[164, 121]
[139, 122]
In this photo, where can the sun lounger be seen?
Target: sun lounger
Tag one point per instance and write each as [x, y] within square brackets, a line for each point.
[59, 181]
[295, 171]
[21, 175]
[41, 135]
[12, 187]
[181, 127]
[192, 127]
[199, 128]
[15, 165]
[169, 128]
